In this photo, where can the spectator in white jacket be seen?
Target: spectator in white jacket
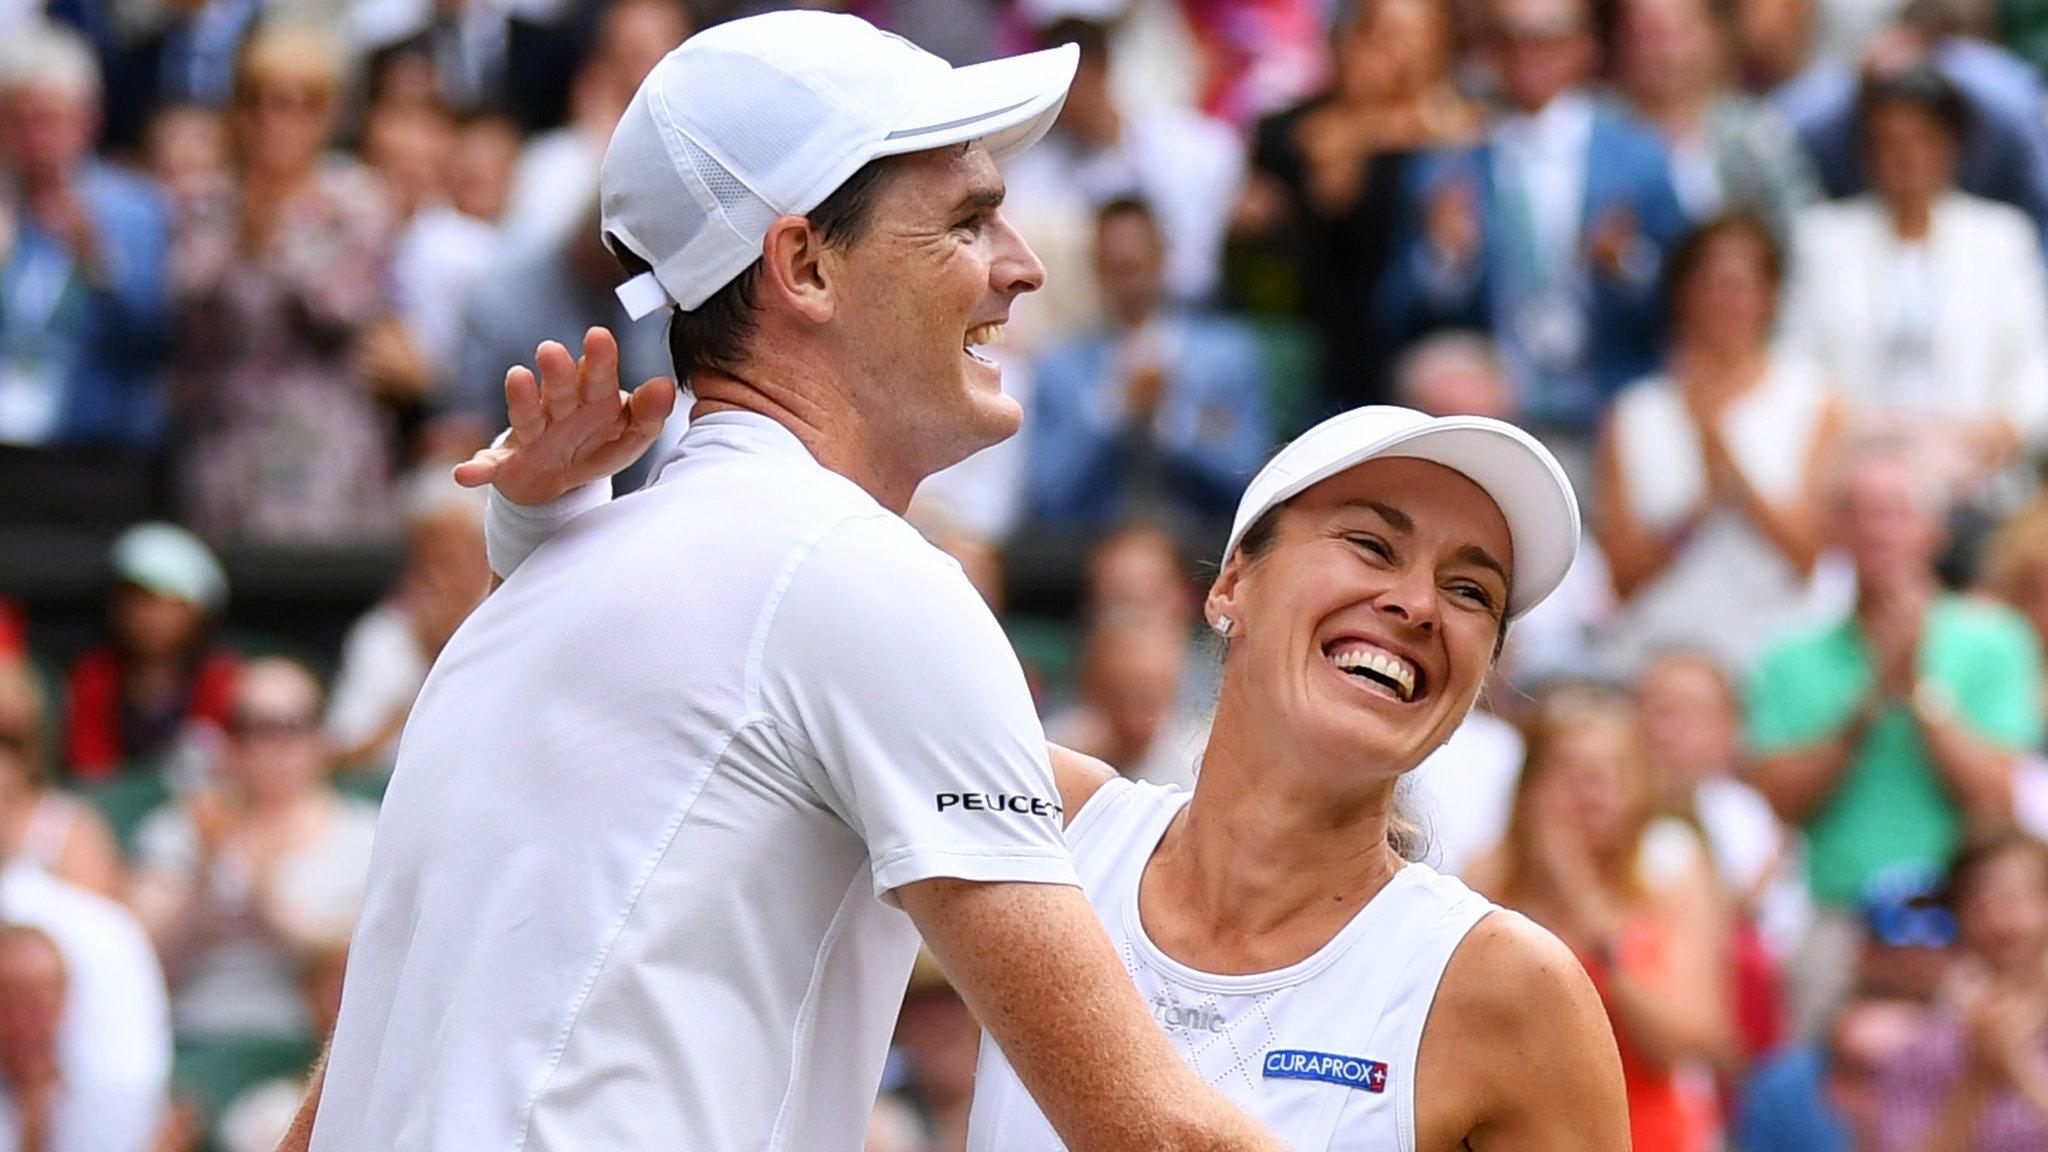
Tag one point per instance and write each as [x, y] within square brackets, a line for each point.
[1927, 305]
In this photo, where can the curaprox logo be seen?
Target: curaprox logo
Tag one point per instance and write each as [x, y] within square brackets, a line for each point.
[1329, 1067]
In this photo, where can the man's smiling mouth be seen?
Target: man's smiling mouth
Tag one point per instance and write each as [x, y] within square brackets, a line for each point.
[981, 335]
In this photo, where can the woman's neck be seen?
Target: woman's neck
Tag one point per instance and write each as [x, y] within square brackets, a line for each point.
[1913, 219]
[1725, 368]
[1265, 866]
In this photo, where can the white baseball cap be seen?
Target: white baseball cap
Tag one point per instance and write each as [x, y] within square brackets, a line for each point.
[1524, 479]
[170, 561]
[764, 117]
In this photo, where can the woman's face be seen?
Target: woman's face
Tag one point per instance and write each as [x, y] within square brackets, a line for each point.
[1364, 630]
[282, 122]
[1395, 49]
[1911, 157]
[1729, 297]
[2003, 913]
[1590, 783]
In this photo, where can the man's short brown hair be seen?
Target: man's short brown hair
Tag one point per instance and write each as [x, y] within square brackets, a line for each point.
[713, 335]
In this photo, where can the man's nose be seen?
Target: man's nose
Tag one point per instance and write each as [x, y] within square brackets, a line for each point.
[1016, 269]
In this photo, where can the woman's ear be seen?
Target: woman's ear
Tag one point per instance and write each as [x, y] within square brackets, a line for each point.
[1223, 607]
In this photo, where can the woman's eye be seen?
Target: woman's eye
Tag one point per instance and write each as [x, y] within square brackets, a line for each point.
[1474, 594]
[1374, 545]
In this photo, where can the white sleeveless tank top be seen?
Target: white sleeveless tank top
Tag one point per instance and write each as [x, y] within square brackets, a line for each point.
[1727, 592]
[1321, 1052]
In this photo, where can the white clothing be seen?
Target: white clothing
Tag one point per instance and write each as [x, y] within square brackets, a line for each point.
[242, 980]
[1727, 591]
[440, 256]
[48, 831]
[114, 1042]
[1544, 155]
[381, 671]
[1990, 330]
[1461, 793]
[1755, 853]
[1322, 1053]
[1186, 166]
[1554, 640]
[554, 188]
[631, 885]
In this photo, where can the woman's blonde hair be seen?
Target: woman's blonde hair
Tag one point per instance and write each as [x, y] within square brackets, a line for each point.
[288, 52]
[1559, 714]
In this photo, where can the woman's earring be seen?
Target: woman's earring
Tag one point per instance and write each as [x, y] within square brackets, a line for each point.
[1223, 625]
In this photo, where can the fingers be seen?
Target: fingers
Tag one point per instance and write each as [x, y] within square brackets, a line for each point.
[522, 403]
[481, 468]
[599, 378]
[648, 408]
[557, 379]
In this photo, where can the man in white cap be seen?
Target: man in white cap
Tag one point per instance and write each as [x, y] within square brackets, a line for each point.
[676, 802]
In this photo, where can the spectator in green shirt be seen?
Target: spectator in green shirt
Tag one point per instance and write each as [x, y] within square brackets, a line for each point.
[1889, 734]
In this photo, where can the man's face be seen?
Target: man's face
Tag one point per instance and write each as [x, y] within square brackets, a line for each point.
[43, 131]
[932, 275]
[1884, 524]
[1543, 48]
[1130, 265]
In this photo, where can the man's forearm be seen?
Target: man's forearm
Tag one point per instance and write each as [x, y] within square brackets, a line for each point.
[299, 1137]
[1979, 774]
[1798, 783]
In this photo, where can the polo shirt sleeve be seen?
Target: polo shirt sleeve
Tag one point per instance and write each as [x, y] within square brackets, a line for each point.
[2002, 695]
[1776, 718]
[920, 729]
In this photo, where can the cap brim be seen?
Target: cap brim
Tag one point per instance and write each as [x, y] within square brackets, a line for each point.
[1523, 478]
[1007, 104]
[1525, 481]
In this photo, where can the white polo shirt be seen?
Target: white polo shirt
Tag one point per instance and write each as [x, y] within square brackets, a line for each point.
[630, 885]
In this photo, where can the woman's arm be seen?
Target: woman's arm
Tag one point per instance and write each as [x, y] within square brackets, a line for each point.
[1517, 1055]
[1635, 554]
[1798, 529]
[1682, 1010]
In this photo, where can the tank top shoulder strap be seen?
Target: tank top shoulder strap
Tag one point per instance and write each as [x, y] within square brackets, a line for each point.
[1123, 818]
[48, 828]
[1437, 913]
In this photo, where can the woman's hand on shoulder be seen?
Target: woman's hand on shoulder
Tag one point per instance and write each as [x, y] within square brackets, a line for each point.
[1518, 1053]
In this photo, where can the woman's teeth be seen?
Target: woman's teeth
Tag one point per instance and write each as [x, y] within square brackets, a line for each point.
[983, 334]
[1391, 671]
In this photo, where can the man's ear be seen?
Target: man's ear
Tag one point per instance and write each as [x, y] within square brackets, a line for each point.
[793, 268]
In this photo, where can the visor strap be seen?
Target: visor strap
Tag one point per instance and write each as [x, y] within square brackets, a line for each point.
[643, 295]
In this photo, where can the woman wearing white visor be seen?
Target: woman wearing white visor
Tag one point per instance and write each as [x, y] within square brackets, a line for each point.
[1342, 995]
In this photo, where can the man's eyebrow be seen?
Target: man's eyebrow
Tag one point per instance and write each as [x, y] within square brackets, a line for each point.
[983, 199]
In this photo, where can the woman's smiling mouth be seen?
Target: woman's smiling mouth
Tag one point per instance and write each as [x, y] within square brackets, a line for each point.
[1375, 668]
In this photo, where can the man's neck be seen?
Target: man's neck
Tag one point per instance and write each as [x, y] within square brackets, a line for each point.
[1681, 111]
[833, 434]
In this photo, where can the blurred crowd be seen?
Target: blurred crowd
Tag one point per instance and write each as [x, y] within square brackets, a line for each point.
[1767, 275]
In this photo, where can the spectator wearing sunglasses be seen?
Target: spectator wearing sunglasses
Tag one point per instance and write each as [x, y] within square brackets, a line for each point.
[1824, 1094]
[256, 873]
[1975, 1077]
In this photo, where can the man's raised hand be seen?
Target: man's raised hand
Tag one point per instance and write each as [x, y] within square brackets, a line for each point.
[571, 423]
